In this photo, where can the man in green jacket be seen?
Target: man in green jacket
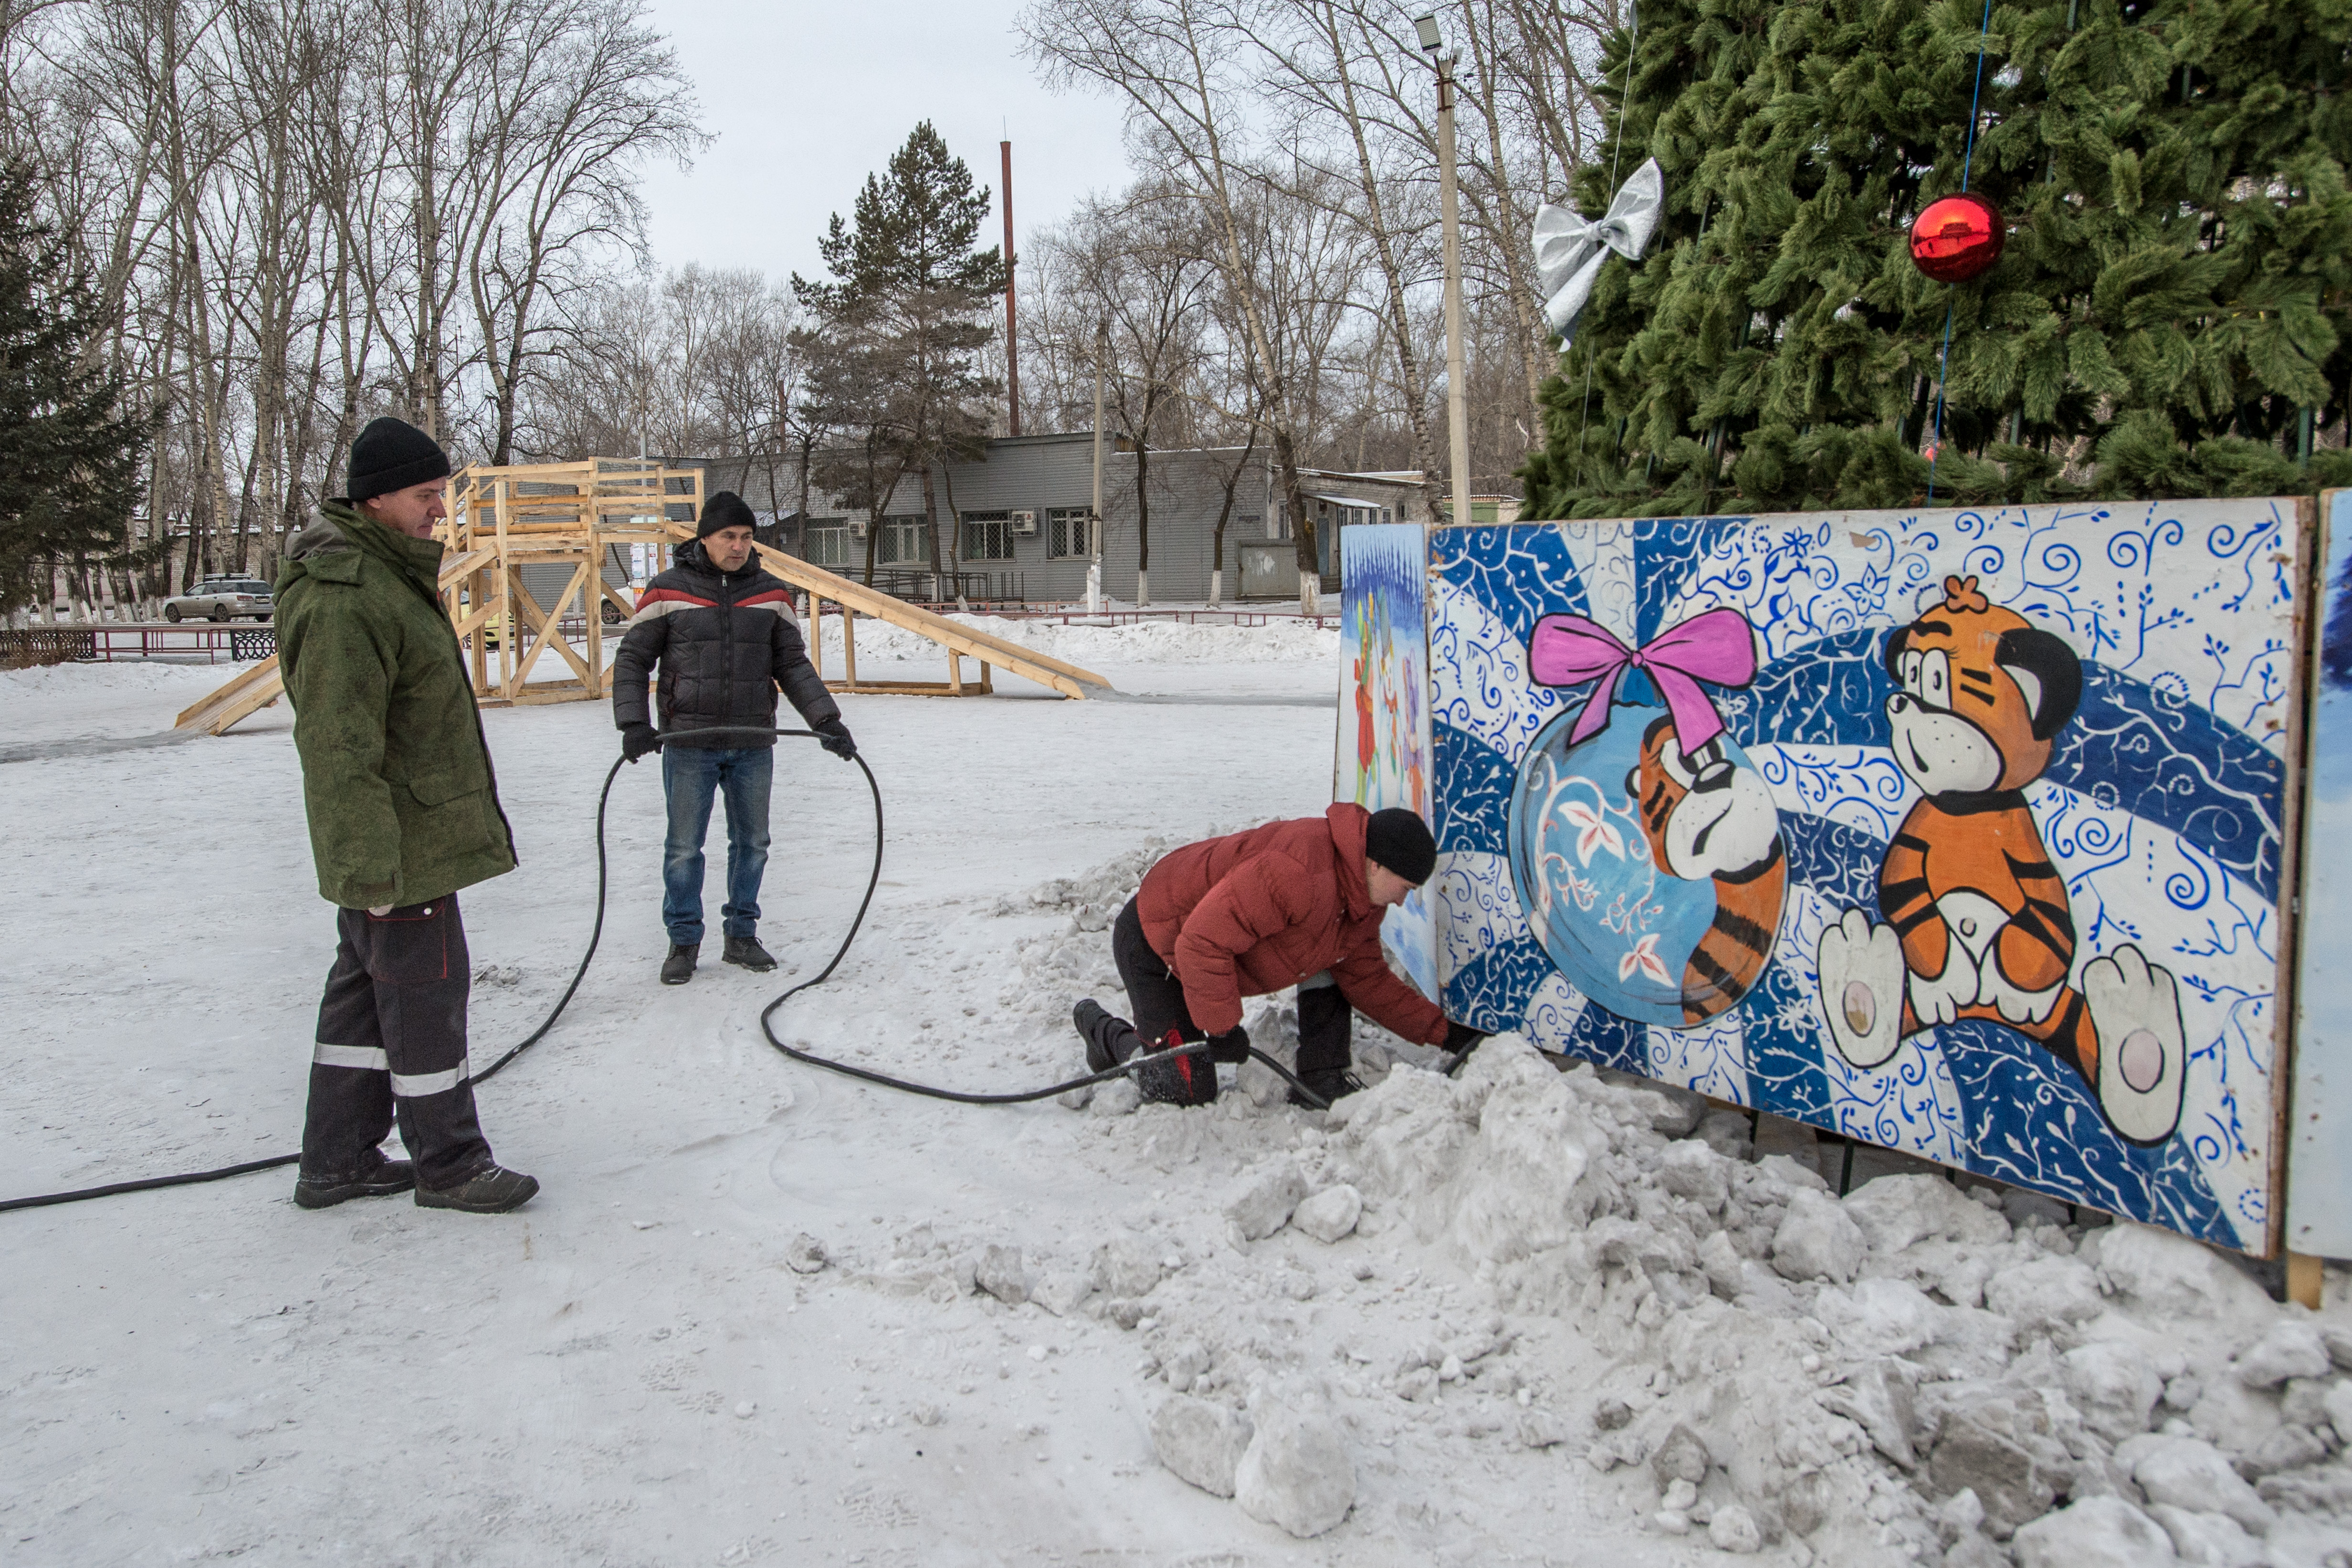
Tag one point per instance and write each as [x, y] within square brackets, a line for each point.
[403, 811]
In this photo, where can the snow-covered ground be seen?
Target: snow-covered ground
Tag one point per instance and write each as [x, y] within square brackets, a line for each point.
[1561, 1296]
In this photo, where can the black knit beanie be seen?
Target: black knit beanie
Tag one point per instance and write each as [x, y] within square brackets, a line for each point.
[392, 455]
[1400, 840]
[725, 509]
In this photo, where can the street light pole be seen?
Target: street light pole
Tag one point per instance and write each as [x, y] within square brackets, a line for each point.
[1457, 419]
[1094, 521]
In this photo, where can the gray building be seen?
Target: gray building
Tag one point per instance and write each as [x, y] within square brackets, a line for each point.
[1020, 519]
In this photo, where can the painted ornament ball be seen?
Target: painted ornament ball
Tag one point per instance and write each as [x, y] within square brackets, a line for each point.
[1642, 872]
[1958, 238]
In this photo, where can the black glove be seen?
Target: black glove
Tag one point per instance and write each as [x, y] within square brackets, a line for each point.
[1231, 1046]
[639, 738]
[833, 736]
[1461, 1039]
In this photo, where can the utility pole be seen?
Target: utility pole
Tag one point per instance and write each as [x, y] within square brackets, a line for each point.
[1093, 522]
[1457, 419]
[1012, 341]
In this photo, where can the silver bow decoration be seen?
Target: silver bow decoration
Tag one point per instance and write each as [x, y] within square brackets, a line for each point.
[1570, 248]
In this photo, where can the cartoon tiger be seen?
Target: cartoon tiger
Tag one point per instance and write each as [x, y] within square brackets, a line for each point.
[1706, 818]
[1978, 921]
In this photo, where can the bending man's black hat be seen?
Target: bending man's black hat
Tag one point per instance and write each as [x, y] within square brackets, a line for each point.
[1400, 840]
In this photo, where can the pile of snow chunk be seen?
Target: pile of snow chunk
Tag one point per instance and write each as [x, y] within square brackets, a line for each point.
[1901, 1375]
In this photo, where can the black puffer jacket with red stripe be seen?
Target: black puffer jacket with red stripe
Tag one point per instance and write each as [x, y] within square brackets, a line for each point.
[724, 643]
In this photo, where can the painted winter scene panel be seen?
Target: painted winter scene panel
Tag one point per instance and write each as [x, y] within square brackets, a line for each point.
[1383, 748]
[1952, 831]
[2319, 1159]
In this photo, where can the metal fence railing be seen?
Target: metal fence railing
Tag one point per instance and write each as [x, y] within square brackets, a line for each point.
[107, 642]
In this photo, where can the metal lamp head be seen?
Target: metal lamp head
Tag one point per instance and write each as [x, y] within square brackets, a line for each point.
[1430, 40]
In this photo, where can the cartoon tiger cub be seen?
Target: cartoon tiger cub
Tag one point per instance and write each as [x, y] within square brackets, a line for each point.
[1979, 925]
[1706, 818]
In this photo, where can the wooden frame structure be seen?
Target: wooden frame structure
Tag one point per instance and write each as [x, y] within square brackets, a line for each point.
[548, 514]
[569, 515]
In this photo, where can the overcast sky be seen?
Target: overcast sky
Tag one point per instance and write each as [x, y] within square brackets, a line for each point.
[807, 99]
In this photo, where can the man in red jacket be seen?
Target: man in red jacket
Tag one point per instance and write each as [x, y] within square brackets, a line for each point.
[1292, 903]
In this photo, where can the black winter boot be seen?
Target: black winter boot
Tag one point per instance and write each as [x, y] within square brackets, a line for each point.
[747, 953]
[678, 967]
[1109, 1041]
[487, 1191]
[377, 1177]
[1330, 1085]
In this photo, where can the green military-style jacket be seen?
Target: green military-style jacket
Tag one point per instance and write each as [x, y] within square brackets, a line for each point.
[396, 778]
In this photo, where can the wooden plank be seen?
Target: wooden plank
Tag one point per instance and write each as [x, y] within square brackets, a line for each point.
[466, 627]
[455, 567]
[244, 694]
[849, 644]
[1043, 669]
[265, 671]
[546, 691]
[2305, 1276]
[903, 688]
[592, 606]
[253, 702]
[501, 594]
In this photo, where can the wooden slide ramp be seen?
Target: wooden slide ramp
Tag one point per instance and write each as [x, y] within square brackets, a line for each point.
[960, 641]
[259, 686]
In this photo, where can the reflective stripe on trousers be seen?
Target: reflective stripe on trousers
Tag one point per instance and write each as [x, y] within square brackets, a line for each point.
[371, 1058]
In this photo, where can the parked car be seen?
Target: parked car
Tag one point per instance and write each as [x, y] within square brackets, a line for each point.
[632, 592]
[220, 599]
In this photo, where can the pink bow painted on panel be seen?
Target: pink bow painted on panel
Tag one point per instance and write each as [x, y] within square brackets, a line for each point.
[1714, 646]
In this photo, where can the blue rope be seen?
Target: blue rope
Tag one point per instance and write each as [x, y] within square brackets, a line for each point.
[1968, 158]
[1968, 164]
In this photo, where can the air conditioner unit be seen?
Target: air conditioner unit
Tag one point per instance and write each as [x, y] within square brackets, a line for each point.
[1025, 524]
[857, 528]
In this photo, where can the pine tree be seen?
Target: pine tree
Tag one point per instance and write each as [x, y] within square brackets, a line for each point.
[69, 454]
[894, 359]
[2172, 316]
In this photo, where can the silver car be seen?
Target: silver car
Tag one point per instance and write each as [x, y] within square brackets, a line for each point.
[220, 599]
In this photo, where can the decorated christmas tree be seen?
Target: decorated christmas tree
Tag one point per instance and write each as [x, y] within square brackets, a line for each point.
[2171, 313]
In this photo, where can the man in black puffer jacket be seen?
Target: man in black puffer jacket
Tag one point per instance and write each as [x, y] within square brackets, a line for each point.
[725, 637]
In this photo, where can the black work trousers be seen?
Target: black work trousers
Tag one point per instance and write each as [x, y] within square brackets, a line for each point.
[391, 1042]
[1326, 1022]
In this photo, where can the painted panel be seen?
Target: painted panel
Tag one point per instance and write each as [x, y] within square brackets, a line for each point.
[1956, 832]
[1382, 750]
[2319, 1172]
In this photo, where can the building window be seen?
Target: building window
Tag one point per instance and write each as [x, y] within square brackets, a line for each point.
[1069, 535]
[987, 536]
[828, 542]
[905, 542]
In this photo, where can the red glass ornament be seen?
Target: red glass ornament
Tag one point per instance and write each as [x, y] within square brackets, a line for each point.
[1958, 238]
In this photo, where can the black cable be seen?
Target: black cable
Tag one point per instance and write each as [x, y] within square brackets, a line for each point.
[596, 935]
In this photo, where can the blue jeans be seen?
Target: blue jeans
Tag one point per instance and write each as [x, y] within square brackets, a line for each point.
[690, 776]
